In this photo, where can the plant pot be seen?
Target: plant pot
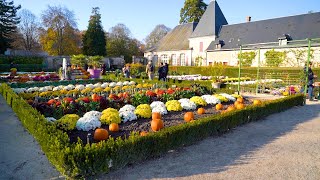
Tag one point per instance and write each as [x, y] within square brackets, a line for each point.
[95, 73]
[216, 85]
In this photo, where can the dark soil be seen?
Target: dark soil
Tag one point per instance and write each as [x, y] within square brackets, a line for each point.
[170, 119]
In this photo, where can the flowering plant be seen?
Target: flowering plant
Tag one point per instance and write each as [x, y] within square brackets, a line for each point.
[143, 110]
[221, 98]
[198, 101]
[211, 99]
[127, 113]
[67, 122]
[187, 104]
[158, 106]
[89, 121]
[109, 116]
[228, 96]
[173, 105]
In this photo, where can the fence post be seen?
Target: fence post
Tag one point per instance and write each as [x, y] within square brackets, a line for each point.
[239, 75]
[258, 71]
[307, 69]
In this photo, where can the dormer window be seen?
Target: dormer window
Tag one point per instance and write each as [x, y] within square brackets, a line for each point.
[219, 44]
[283, 41]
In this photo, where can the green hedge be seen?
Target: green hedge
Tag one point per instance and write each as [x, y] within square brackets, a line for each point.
[79, 160]
[21, 59]
[22, 67]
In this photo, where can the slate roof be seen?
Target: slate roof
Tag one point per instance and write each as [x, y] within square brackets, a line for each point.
[297, 27]
[176, 39]
[210, 22]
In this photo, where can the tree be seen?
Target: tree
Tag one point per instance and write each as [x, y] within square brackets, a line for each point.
[8, 22]
[192, 11]
[94, 40]
[28, 31]
[156, 35]
[247, 58]
[275, 58]
[61, 36]
[120, 43]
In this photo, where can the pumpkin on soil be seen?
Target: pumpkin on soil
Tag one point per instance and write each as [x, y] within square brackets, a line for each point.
[219, 106]
[236, 103]
[188, 116]
[156, 115]
[114, 127]
[240, 106]
[156, 124]
[257, 102]
[100, 134]
[201, 111]
[231, 108]
[143, 133]
[240, 100]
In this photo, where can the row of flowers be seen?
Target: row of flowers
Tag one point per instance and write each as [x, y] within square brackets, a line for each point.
[94, 119]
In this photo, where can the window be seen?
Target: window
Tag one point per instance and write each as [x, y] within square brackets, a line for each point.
[182, 59]
[164, 58]
[201, 47]
[174, 59]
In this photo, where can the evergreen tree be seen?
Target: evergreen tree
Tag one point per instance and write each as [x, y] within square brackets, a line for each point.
[8, 22]
[192, 11]
[94, 40]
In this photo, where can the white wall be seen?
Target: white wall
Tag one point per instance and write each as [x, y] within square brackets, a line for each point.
[195, 44]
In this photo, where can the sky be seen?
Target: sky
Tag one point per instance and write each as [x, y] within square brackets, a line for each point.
[142, 16]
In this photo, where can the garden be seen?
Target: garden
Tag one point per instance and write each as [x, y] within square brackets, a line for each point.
[127, 121]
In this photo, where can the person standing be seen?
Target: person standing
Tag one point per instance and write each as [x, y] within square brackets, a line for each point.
[150, 70]
[127, 71]
[166, 70]
[310, 76]
[161, 72]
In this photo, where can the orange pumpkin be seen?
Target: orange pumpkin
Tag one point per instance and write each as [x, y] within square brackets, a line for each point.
[201, 111]
[240, 100]
[100, 134]
[156, 115]
[188, 116]
[240, 106]
[231, 108]
[156, 124]
[257, 102]
[236, 103]
[114, 127]
[219, 106]
[143, 133]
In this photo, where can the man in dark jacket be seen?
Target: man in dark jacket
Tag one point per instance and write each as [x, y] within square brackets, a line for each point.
[311, 76]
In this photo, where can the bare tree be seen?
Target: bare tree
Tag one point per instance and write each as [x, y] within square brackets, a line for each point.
[28, 31]
[156, 35]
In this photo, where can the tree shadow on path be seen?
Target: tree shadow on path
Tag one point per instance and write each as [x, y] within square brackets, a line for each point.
[217, 154]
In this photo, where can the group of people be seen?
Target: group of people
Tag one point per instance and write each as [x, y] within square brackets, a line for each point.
[162, 71]
[310, 83]
[126, 71]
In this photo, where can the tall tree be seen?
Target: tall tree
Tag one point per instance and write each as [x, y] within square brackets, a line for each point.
[156, 35]
[8, 22]
[192, 11]
[94, 40]
[60, 36]
[120, 43]
[28, 29]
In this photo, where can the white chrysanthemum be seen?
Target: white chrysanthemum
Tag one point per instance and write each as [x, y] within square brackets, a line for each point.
[36, 89]
[97, 85]
[119, 84]
[229, 97]
[90, 86]
[104, 85]
[96, 114]
[56, 89]
[31, 90]
[127, 107]
[88, 123]
[113, 84]
[19, 90]
[187, 104]
[49, 88]
[80, 87]
[43, 89]
[71, 86]
[132, 83]
[160, 109]
[126, 83]
[51, 119]
[157, 103]
[127, 116]
[211, 99]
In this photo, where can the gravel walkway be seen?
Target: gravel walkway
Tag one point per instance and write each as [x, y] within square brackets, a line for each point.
[282, 146]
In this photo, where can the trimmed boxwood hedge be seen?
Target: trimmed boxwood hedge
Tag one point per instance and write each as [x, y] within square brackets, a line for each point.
[79, 160]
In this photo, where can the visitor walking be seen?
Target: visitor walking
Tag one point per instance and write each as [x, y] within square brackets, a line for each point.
[150, 70]
[310, 76]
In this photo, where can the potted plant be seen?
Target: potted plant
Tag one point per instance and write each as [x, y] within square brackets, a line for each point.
[95, 62]
[216, 71]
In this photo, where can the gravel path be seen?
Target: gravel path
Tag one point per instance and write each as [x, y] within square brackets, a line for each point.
[282, 146]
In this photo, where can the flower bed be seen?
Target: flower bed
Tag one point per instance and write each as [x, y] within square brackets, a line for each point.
[81, 159]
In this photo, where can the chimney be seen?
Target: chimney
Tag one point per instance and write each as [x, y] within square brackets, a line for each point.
[248, 18]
